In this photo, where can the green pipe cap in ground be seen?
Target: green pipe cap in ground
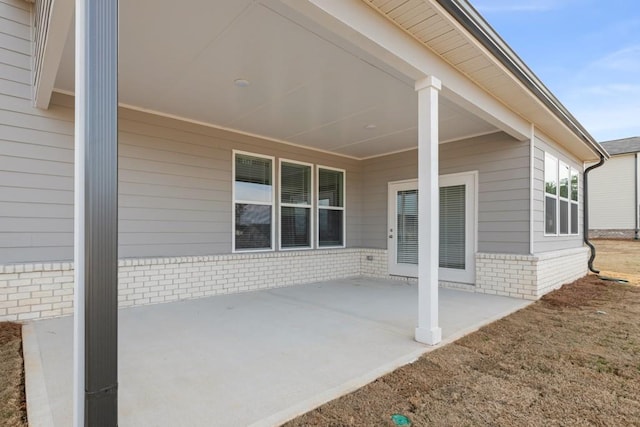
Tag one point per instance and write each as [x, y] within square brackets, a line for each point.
[400, 420]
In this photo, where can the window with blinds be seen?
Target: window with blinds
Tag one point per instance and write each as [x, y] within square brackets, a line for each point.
[452, 227]
[295, 205]
[253, 202]
[331, 209]
[407, 227]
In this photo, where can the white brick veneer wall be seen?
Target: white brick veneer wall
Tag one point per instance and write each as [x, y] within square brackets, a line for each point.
[558, 268]
[44, 290]
[32, 291]
[35, 291]
[529, 276]
[373, 263]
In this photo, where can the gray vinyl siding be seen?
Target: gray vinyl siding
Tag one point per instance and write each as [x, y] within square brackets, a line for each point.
[174, 183]
[34, 208]
[544, 243]
[176, 179]
[376, 174]
[503, 189]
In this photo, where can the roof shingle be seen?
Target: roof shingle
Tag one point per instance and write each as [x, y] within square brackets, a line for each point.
[622, 146]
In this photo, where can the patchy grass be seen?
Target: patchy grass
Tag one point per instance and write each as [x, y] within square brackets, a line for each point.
[572, 358]
[618, 258]
[13, 410]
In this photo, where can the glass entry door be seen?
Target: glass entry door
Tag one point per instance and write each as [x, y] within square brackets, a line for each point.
[403, 228]
[457, 228]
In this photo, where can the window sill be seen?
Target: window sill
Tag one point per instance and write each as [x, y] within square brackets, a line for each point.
[250, 251]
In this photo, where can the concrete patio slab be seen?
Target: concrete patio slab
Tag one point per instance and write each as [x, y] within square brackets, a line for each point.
[257, 358]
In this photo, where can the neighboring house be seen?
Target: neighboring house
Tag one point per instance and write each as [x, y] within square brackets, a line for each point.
[614, 208]
[266, 143]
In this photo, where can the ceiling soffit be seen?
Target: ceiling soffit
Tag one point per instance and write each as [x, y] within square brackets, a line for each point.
[303, 87]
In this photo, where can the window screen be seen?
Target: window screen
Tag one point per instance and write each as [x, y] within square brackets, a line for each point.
[574, 201]
[330, 188]
[550, 215]
[295, 183]
[550, 175]
[574, 218]
[551, 194]
[253, 226]
[330, 207]
[574, 185]
[295, 210]
[253, 179]
[295, 227]
[253, 200]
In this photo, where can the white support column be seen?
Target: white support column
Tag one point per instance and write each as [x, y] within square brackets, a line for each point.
[428, 330]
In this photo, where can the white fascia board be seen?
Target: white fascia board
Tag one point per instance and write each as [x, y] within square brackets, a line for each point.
[60, 19]
[368, 30]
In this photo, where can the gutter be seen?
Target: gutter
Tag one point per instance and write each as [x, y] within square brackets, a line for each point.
[473, 22]
[585, 212]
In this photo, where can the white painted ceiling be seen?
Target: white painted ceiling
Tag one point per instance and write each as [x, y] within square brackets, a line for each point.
[181, 58]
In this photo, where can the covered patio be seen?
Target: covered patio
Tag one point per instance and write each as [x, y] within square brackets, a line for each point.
[173, 121]
[257, 358]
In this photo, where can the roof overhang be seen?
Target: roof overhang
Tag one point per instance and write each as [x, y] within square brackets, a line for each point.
[456, 32]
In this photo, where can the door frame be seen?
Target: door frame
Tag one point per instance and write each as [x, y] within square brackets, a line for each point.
[468, 178]
[408, 270]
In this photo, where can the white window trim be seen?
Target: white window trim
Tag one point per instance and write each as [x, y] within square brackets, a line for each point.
[343, 208]
[470, 181]
[559, 198]
[234, 201]
[293, 205]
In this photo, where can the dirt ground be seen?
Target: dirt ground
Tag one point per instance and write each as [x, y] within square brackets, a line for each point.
[12, 402]
[571, 359]
[618, 258]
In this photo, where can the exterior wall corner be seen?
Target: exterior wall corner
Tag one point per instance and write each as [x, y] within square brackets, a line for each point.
[529, 276]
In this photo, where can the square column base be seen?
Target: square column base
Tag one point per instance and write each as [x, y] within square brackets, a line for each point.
[429, 336]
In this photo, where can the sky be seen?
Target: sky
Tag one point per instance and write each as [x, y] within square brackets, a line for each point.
[587, 52]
